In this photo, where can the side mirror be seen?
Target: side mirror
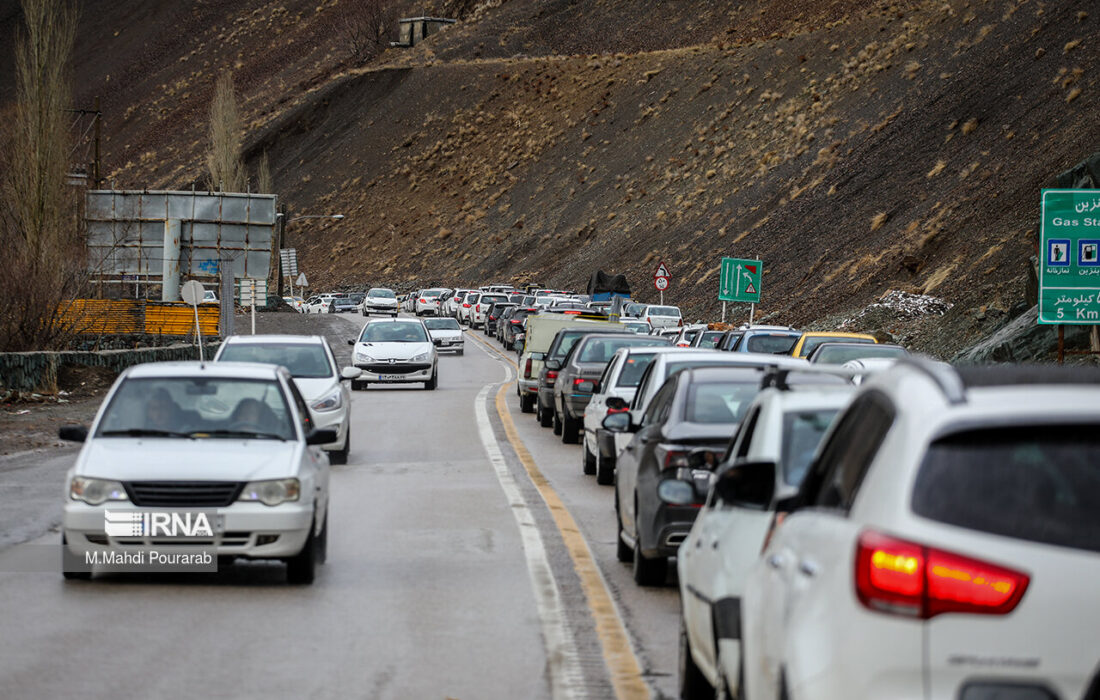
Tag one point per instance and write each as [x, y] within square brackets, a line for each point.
[587, 386]
[321, 436]
[619, 423]
[350, 373]
[617, 403]
[538, 356]
[747, 484]
[553, 364]
[351, 341]
[437, 341]
[73, 433]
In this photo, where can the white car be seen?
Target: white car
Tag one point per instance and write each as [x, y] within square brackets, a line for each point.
[481, 307]
[395, 350]
[464, 311]
[446, 334]
[313, 366]
[209, 297]
[615, 391]
[317, 305]
[230, 439]
[379, 300]
[783, 427]
[426, 302]
[687, 335]
[452, 302]
[663, 316]
[945, 543]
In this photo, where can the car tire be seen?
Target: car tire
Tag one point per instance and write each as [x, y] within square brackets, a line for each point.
[526, 404]
[357, 385]
[340, 456]
[587, 458]
[69, 561]
[302, 567]
[570, 429]
[556, 421]
[322, 541]
[433, 382]
[461, 352]
[545, 417]
[605, 470]
[647, 572]
[622, 552]
[693, 684]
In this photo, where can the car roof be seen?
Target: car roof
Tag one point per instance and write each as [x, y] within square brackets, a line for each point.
[399, 319]
[836, 334]
[221, 370]
[274, 339]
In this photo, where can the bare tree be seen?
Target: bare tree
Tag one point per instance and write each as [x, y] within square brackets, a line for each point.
[41, 230]
[367, 27]
[223, 161]
[264, 183]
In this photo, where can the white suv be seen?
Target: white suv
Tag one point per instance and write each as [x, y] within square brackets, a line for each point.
[944, 544]
[231, 439]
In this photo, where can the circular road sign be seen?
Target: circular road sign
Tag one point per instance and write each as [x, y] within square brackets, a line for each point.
[192, 293]
[661, 283]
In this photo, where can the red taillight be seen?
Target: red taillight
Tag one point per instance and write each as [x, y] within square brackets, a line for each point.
[527, 369]
[681, 323]
[423, 302]
[616, 410]
[465, 306]
[910, 579]
[515, 323]
[458, 299]
[478, 308]
[572, 312]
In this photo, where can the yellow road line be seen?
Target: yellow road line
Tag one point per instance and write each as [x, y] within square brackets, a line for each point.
[626, 673]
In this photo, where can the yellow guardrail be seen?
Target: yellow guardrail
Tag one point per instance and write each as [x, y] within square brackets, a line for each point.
[135, 316]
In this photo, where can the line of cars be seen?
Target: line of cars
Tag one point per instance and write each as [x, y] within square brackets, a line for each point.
[847, 521]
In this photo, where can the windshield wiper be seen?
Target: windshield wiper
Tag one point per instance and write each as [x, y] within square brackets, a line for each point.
[236, 433]
[144, 432]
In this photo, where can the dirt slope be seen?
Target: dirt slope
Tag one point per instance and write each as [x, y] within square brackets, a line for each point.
[855, 146]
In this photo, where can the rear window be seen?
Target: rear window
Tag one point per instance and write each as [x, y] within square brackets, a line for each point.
[602, 349]
[633, 367]
[719, 402]
[840, 355]
[663, 311]
[304, 360]
[812, 343]
[1034, 483]
[442, 324]
[710, 339]
[492, 298]
[802, 431]
[771, 344]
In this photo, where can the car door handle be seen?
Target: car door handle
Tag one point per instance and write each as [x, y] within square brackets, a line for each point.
[808, 568]
[775, 561]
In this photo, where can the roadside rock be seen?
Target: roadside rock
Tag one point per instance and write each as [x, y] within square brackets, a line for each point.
[1023, 340]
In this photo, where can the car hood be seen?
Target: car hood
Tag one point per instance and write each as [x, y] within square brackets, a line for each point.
[203, 459]
[394, 351]
[316, 388]
[381, 301]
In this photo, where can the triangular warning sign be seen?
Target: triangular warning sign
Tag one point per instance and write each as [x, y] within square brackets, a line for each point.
[662, 271]
[750, 289]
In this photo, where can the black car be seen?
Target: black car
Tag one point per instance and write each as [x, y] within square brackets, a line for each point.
[505, 316]
[344, 305]
[682, 435]
[581, 369]
[511, 329]
[493, 315]
[559, 348]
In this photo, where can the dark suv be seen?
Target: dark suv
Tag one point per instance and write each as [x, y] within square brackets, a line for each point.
[493, 315]
[580, 372]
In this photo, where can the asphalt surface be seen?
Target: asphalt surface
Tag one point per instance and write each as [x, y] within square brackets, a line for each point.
[448, 575]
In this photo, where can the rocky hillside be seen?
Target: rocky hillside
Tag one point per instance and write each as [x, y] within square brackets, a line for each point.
[855, 146]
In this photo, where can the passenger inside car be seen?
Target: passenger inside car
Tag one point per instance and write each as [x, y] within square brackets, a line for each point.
[161, 412]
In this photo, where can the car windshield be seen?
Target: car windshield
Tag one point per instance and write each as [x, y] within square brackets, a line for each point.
[802, 431]
[633, 367]
[442, 324]
[1034, 483]
[663, 311]
[771, 344]
[401, 332]
[813, 341]
[602, 349]
[381, 294]
[839, 354]
[198, 407]
[719, 402]
[304, 360]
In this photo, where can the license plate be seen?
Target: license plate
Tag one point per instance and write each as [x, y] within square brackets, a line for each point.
[391, 377]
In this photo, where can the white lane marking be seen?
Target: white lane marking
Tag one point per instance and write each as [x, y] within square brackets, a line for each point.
[566, 675]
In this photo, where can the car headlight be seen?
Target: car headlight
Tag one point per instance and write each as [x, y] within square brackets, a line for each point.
[329, 403]
[422, 357]
[271, 492]
[363, 357]
[96, 491]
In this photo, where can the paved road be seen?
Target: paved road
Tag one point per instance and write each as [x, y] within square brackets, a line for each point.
[448, 576]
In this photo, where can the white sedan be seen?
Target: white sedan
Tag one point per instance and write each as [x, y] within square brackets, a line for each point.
[446, 334]
[230, 446]
[395, 350]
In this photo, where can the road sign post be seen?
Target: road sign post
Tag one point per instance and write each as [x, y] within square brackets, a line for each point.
[739, 281]
[192, 293]
[661, 280]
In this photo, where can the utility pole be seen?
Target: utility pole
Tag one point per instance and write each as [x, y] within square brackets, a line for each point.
[95, 164]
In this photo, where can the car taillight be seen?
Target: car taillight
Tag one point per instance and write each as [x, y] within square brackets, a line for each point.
[551, 377]
[515, 322]
[905, 578]
[617, 410]
[527, 369]
[681, 323]
[458, 299]
[465, 306]
[423, 302]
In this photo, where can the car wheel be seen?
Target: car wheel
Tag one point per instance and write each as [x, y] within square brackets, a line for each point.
[340, 456]
[70, 562]
[605, 470]
[433, 382]
[647, 572]
[546, 419]
[356, 385]
[461, 352]
[302, 567]
[556, 419]
[526, 404]
[588, 459]
[693, 684]
[622, 552]
[570, 429]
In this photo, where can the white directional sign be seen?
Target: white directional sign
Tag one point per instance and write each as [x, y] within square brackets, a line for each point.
[252, 291]
[288, 258]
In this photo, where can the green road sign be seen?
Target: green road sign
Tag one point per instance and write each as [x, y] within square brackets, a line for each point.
[740, 280]
[1069, 263]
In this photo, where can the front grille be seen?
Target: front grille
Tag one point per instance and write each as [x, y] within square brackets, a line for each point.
[183, 494]
[395, 368]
